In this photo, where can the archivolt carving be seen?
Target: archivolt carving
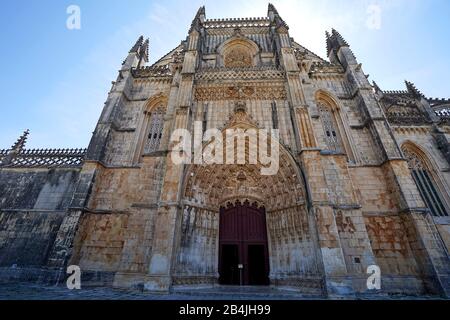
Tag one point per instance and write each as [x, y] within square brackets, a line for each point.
[157, 103]
[238, 57]
[213, 185]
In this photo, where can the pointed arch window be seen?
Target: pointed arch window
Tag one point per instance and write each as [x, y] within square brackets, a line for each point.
[425, 182]
[155, 126]
[332, 136]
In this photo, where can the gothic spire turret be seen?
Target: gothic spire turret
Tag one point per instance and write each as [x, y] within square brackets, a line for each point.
[335, 41]
[413, 90]
[137, 46]
[198, 20]
[328, 41]
[137, 54]
[144, 52]
[275, 17]
[272, 9]
[20, 143]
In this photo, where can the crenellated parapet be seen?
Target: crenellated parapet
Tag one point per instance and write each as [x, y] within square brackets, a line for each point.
[412, 107]
[236, 23]
[44, 158]
[19, 157]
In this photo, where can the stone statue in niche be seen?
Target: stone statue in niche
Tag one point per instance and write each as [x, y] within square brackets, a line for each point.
[238, 57]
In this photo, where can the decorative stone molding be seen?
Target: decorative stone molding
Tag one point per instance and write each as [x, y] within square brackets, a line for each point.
[241, 92]
[156, 71]
[236, 23]
[45, 158]
[242, 74]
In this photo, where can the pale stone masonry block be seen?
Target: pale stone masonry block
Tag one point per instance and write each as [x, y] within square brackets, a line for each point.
[344, 196]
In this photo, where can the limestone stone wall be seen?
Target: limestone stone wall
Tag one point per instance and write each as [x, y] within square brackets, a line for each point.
[116, 234]
[39, 189]
[293, 252]
[390, 245]
[134, 219]
[33, 204]
[27, 237]
[372, 190]
[100, 241]
[197, 258]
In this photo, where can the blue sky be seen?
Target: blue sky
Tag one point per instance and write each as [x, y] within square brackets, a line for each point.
[55, 81]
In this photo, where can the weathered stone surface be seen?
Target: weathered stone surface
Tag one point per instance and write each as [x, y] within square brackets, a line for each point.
[344, 197]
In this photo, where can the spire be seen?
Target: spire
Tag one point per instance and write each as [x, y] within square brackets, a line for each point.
[328, 40]
[275, 17]
[20, 144]
[272, 9]
[335, 41]
[199, 19]
[137, 53]
[144, 51]
[413, 90]
[339, 39]
[137, 45]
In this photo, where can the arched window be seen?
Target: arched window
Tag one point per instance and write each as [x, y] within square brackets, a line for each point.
[330, 127]
[155, 126]
[423, 177]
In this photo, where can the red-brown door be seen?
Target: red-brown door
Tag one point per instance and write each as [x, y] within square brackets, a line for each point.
[243, 243]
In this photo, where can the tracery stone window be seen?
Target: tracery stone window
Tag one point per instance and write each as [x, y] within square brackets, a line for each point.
[155, 126]
[332, 137]
[425, 182]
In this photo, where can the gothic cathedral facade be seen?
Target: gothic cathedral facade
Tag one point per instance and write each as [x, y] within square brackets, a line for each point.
[363, 178]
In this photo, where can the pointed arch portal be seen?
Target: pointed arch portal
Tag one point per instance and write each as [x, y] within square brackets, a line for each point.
[243, 246]
[233, 215]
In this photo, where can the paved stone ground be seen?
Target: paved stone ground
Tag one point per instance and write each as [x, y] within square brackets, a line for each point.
[28, 291]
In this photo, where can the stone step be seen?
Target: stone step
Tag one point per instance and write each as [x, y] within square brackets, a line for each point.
[247, 292]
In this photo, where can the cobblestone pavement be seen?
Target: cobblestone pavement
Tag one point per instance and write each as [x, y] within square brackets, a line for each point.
[39, 292]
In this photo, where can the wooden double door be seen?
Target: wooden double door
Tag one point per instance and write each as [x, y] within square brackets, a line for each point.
[243, 247]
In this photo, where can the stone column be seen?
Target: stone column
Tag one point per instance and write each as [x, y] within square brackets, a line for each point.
[167, 220]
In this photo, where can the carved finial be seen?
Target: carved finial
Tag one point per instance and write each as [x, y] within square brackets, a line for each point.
[138, 44]
[144, 51]
[376, 87]
[272, 9]
[339, 39]
[199, 19]
[276, 18]
[237, 32]
[413, 90]
[329, 44]
[20, 144]
[240, 106]
[335, 41]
